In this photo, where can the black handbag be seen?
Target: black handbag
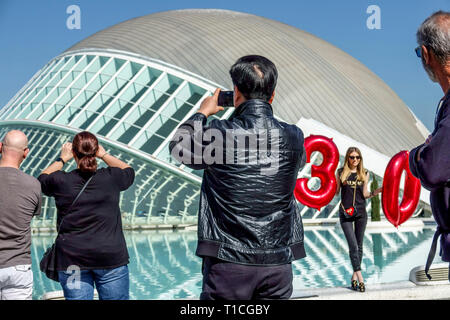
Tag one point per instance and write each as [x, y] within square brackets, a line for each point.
[48, 261]
[350, 212]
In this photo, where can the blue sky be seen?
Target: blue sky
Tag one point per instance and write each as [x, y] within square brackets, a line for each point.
[33, 32]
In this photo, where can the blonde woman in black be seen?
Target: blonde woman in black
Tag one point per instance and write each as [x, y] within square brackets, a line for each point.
[353, 181]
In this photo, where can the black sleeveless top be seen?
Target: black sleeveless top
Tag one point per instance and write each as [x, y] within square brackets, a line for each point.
[347, 190]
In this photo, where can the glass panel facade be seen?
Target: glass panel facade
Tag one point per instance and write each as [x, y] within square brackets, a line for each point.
[131, 103]
[156, 197]
[119, 99]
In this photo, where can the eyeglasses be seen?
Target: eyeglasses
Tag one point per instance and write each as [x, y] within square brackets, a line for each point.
[418, 51]
[354, 157]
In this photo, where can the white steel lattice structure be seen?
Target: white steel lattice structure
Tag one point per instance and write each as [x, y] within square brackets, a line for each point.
[133, 84]
[133, 106]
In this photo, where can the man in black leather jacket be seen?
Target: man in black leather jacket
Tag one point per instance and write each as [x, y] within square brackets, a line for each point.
[249, 225]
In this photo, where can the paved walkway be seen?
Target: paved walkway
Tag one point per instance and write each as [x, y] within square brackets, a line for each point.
[403, 290]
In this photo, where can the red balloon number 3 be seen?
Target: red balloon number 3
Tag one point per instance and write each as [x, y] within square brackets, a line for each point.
[391, 183]
[325, 172]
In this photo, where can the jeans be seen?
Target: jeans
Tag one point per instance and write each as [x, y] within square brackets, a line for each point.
[355, 237]
[16, 283]
[111, 284]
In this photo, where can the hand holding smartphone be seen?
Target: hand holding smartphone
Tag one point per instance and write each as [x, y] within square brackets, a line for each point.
[210, 105]
[226, 99]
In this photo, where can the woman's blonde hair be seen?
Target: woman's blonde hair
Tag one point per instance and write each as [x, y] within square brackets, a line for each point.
[360, 171]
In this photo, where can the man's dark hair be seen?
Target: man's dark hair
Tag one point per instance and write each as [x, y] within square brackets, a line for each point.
[255, 77]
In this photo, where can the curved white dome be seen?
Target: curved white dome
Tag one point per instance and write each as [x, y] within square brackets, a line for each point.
[316, 79]
[132, 84]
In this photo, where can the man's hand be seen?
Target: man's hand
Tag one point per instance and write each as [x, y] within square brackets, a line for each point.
[420, 150]
[418, 153]
[209, 106]
[66, 152]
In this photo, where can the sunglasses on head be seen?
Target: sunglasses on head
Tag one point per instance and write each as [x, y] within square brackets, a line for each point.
[354, 157]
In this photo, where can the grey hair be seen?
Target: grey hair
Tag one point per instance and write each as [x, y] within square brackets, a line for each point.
[434, 33]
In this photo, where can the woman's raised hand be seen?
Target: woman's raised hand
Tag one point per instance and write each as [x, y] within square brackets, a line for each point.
[100, 152]
[66, 152]
[377, 191]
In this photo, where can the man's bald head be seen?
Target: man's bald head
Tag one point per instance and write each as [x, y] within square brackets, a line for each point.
[16, 139]
[14, 148]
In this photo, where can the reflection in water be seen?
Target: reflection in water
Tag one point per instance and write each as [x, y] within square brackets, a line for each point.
[163, 265]
[328, 264]
[377, 250]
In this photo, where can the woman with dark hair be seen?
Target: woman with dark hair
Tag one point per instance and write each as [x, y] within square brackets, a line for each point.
[353, 182]
[90, 246]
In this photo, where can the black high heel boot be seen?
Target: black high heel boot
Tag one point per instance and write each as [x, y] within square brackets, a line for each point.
[354, 285]
[362, 287]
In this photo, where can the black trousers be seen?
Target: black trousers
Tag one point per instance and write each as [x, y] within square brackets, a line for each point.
[230, 281]
[354, 229]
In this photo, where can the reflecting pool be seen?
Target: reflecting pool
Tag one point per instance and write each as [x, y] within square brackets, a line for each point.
[163, 264]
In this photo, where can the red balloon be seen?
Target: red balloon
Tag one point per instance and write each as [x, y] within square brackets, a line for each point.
[391, 186]
[325, 172]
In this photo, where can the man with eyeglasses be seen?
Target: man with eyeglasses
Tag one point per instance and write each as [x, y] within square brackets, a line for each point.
[20, 200]
[430, 162]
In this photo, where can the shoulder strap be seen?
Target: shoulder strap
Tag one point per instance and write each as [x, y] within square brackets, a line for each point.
[354, 195]
[354, 191]
[79, 193]
[76, 198]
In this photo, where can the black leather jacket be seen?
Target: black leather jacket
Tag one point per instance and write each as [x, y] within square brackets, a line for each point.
[246, 215]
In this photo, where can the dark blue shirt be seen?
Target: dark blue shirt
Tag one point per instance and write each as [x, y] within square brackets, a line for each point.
[433, 170]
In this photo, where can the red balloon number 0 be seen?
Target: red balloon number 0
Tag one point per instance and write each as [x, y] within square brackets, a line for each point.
[394, 213]
[325, 172]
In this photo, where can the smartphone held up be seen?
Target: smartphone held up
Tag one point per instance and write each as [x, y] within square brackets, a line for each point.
[226, 99]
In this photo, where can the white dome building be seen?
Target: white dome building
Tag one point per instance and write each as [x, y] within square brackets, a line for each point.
[133, 83]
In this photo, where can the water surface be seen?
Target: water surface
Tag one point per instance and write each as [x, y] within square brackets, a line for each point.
[163, 264]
